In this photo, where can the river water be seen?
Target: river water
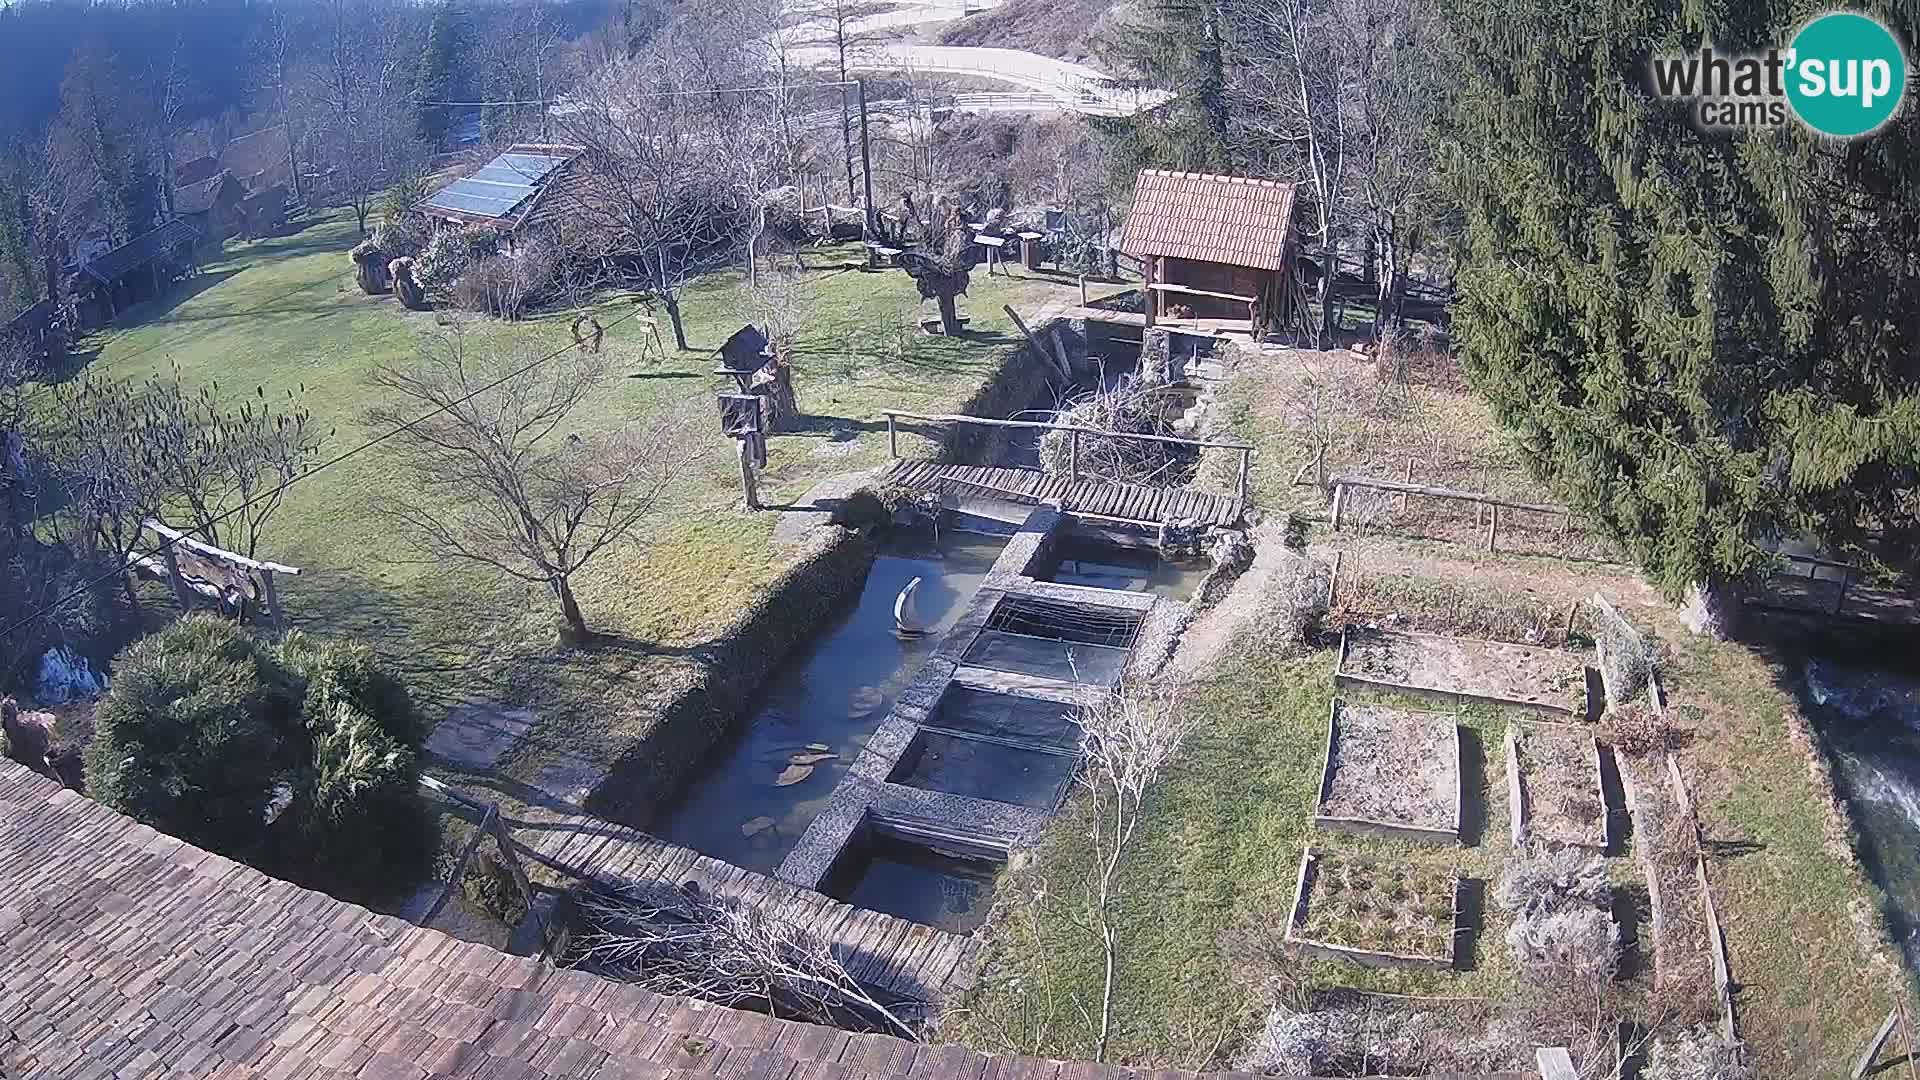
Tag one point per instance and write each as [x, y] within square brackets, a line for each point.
[1871, 720]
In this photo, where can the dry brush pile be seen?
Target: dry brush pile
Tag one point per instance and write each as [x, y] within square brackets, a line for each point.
[1127, 409]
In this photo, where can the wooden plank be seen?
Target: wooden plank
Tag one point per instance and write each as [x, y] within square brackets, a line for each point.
[1878, 1043]
[1555, 1063]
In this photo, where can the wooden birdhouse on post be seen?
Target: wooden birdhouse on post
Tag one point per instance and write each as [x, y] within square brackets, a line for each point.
[740, 421]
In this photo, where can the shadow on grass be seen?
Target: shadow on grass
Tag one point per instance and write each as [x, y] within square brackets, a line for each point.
[1473, 924]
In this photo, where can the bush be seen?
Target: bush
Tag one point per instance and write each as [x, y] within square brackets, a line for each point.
[1538, 880]
[505, 285]
[300, 759]
[449, 254]
[1700, 1054]
[1572, 948]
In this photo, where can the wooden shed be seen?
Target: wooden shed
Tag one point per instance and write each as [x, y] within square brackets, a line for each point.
[1219, 251]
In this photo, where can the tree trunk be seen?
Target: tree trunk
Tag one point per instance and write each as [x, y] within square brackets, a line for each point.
[133, 596]
[673, 316]
[570, 609]
[360, 211]
[949, 316]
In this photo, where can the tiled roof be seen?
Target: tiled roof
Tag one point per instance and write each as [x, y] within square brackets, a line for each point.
[1219, 219]
[129, 953]
[141, 250]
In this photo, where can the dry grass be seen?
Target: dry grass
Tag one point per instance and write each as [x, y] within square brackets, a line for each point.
[1405, 910]
[1395, 766]
[1562, 780]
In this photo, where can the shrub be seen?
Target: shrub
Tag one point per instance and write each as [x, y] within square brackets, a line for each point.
[449, 254]
[192, 736]
[1699, 1054]
[1537, 879]
[1576, 947]
[1636, 730]
[300, 759]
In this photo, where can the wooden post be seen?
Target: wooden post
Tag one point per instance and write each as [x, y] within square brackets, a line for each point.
[1555, 1063]
[1846, 581]
[1034, 342]
[1152, 298]
[1877, 1043]
[1403, 495]
[893, 437]
[504, 841]
[1246, 466]
[460, 866]
[871, 221]
[1083, 290]
[1493, 524]
[1339, 499]
[1073, 454]
[180, 592]
[746, 473]
[273, 601]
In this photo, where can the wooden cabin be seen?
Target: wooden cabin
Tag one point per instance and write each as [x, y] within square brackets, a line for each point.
[1219, 251]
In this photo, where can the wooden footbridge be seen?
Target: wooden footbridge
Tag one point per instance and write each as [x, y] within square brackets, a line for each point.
[1075, 493]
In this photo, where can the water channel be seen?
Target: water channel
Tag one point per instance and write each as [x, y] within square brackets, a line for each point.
[757, 792]
[1871, 721]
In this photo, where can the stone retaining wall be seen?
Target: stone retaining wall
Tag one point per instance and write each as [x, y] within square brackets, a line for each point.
[827, 574]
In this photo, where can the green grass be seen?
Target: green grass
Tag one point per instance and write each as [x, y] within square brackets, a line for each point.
[284, 314]
[1217, 858]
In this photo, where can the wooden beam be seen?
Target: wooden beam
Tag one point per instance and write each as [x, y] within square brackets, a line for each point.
[1185, 290]
[1555, 1063]
[1034, 343]
[1876, 1044]
[460, 866]
[217, 553]
[949, 418]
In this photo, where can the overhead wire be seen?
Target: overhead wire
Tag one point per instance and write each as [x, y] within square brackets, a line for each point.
[128, 564]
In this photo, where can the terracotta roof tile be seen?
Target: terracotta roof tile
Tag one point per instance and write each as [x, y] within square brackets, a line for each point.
[1221, 219]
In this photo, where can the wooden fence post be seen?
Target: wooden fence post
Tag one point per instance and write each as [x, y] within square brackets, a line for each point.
[273, 600]
[460, 866]
[1073, 454]
[1493, 524]
[893, 437]
[173, 575]
[1339, 498]
[1246, 467]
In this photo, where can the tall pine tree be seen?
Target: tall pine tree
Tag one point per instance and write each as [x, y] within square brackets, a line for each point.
[1705, 340]
[441, 76]
[1180, 48]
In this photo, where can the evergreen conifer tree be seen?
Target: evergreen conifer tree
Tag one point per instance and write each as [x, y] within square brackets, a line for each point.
[440, 77]
[1179, 47]
[1704, 340]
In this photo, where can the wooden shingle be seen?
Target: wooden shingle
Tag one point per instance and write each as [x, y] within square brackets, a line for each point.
[1218, 219]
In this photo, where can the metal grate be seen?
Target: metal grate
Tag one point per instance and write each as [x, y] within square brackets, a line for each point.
[1079, 624]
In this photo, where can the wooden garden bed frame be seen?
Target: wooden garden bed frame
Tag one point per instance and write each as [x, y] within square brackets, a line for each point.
[1343, 677]
[1520, 807]
[1397, 830]
[1369, 958]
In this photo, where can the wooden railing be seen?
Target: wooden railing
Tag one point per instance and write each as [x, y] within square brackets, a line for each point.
[494, 826]
[1493, 503]
[1074, 432]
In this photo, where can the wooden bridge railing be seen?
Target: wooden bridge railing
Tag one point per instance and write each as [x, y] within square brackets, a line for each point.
[1074, 432]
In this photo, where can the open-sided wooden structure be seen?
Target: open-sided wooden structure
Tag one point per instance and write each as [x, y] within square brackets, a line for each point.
[1219, 251]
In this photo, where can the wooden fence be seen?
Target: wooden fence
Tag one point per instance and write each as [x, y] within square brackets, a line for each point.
[494, 826]
[1493, 503]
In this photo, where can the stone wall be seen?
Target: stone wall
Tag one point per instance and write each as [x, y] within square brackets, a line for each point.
[826, 576]
[1022, 380]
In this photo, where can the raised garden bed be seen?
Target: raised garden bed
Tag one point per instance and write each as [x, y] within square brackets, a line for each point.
[1553, 786]
[1391, 772]
[1549, 681]
[1374, 914]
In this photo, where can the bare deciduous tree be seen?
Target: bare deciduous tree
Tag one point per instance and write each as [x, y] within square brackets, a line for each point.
[354, 103]
[695, 943]
[1129, 737]
[650, 209]
[501, 485]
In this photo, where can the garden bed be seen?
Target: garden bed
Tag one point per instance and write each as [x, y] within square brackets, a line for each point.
[1373, 914]
[1549, 681]
[1554, 788]
[1391, 772]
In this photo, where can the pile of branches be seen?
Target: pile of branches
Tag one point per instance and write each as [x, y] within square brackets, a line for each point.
[691, 942]
[1127, 408]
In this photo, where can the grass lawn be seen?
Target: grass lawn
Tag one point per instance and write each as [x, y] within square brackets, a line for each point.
[285, 314]
[1217, 856]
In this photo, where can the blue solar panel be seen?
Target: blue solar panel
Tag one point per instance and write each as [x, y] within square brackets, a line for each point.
[498, 189]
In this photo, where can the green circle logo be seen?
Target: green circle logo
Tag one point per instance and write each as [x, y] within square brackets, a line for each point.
[1847, 74]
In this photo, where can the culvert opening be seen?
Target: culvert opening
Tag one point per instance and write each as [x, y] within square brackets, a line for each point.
[1070, 642]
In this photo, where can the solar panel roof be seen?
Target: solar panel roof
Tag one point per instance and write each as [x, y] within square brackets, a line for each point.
[499, 189]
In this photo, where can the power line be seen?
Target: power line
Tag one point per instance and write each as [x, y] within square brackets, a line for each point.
[275, 491]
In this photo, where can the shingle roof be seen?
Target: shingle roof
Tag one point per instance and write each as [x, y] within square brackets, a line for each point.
[141, 250]
[197, 170]
[1220, 219]
[199, 198]
[128, 952]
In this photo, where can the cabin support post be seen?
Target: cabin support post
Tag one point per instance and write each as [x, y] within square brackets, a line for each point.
[273, 601]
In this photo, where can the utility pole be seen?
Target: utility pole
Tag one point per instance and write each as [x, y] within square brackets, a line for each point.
[872, 219]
